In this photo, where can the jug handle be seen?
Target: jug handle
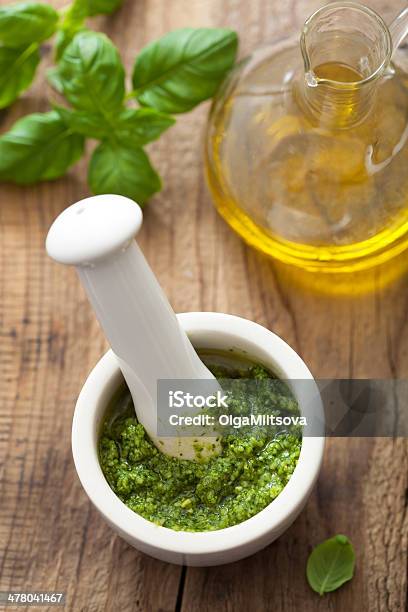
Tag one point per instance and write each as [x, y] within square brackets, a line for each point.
[399, 29]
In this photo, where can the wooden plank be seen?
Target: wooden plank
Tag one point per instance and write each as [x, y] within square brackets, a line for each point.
[50, 537]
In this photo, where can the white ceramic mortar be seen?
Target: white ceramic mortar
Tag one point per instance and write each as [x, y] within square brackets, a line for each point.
[214, 331]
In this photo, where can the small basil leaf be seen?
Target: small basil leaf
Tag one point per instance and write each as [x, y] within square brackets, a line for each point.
[17, 70]
[137, 127]
[74, 17]
[330, 564]
[125, 171]
[183, 68]
[38, 147]
[27, 22]
[72, 23]
[65, 35]
[90, 74]
[54, 79]
[88, 124]
[89, 8]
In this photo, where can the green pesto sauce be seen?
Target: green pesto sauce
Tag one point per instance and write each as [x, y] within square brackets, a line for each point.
[250, 472]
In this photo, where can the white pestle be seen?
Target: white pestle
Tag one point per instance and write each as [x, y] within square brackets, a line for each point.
[96, 235]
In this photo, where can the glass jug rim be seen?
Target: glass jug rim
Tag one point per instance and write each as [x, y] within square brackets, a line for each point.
[363, 9]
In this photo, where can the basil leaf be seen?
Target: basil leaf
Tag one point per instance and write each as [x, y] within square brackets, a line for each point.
[103, 7]
[125, 171]
[54, 80]
[131, 127]
[90, 74]
[89, 8]
[83, 122]
[183, 68]
[17, 70]
[65, 35]
[75, 16]
[27, 22]
[136, 127]
[330, 564]
[72, 23]
[38, 147]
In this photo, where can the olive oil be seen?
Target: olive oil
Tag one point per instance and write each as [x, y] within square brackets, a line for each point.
[336, 71]
[310, 166]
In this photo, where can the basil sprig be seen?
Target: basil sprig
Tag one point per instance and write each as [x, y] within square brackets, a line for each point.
[330, 564]
[171, 75]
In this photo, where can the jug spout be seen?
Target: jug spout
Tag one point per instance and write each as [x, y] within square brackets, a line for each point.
[346, 48]
[311, 79]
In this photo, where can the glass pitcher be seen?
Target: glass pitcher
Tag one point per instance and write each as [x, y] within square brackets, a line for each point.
[307, 148]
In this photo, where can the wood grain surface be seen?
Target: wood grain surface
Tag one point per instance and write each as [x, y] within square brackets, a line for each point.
[50, 536]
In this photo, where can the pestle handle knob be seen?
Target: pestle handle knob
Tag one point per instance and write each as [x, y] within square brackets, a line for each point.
[93, 229]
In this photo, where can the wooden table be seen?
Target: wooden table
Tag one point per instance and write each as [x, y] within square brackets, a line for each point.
[50, 536]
